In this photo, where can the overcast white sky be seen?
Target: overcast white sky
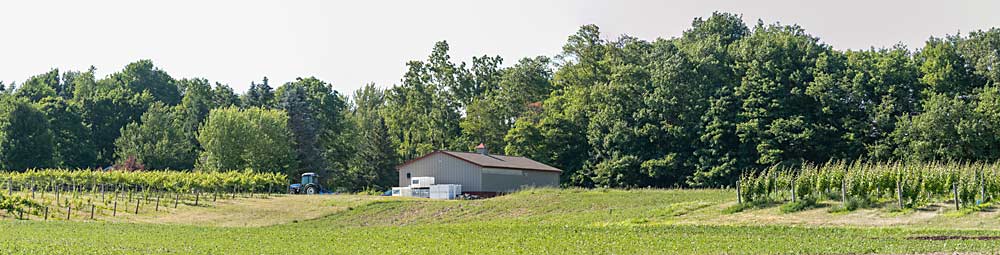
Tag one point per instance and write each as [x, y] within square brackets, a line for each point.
[350, 43]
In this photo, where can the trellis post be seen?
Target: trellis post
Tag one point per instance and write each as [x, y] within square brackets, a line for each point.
[739, 197]
[792, 185]
[954, 188]
[899, 194]
[843, 189]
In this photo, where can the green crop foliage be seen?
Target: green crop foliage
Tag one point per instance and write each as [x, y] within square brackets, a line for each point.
[911, 183]
[75, 182]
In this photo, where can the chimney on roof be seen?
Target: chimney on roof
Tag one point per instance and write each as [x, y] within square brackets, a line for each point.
[481, 149]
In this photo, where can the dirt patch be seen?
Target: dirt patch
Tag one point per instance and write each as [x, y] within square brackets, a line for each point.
[255, 212]
[934, 216]
[945, 238]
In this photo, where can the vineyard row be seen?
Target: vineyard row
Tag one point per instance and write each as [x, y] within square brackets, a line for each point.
[909, 185]
[34, 191]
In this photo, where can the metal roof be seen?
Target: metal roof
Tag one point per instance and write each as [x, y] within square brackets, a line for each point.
[493, 161]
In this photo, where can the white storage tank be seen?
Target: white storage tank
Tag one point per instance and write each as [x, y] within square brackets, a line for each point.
[422, 182]
[421, 192]
[445, 191]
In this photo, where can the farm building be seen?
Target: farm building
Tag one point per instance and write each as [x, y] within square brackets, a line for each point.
[480, 172]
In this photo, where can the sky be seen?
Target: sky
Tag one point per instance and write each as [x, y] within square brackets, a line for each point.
[353, 43]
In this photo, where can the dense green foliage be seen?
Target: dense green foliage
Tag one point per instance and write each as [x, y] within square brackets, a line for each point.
[254, 138]
[159, 141]
[176, 181]
[72, 137]
[723, 98]
[319, 126]
[374, 160]
[696, 110]
[25, 139]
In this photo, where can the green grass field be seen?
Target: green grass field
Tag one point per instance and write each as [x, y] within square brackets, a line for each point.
[569, 221]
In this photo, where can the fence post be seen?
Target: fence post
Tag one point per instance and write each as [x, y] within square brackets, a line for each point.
[899, 194]
[176, 197]
[92, 211]
[954, 188]
[982, 189]
[137, 206]
[69, 209]
[774, 184]
[158, 195]
[792, 185]
[197, 197]
[114, 212]
[739, 196]
[843, 189]
[46, 213]
[981, 180]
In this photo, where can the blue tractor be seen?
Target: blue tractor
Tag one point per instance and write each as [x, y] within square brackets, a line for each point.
[309, 185]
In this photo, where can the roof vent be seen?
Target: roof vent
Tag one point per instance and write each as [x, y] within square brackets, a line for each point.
[481, 149]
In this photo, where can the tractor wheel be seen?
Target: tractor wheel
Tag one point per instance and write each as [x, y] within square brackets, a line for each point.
[311, 190]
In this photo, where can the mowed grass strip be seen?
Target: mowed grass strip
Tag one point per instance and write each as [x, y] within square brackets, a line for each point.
[500, 237]
[540, 206]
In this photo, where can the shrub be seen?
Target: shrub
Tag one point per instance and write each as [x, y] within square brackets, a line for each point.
[799, 205]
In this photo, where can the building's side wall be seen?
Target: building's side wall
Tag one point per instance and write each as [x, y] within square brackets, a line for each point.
[509, 180]
[445, 170]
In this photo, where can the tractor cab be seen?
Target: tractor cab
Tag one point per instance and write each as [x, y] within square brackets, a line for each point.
[309, 178]
[309, 185]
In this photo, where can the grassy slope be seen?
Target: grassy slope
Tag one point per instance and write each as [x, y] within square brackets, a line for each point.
[538, 221]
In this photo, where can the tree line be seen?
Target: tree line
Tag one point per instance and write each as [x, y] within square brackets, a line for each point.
[695, 110]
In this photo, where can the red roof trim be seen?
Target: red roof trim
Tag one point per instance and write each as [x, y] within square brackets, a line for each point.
[470, 162]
